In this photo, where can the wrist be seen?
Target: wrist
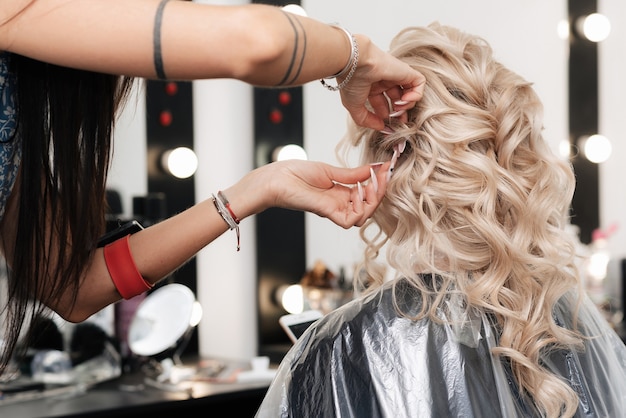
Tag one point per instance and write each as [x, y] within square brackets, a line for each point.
[344, 76]
[250, 195]
[225, 210]
[347, 51]
[365, 50]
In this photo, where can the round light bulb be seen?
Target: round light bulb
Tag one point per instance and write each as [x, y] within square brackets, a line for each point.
[289, 152]
[292, 298]
[565, 149]
[595, 27]
[596, 148]
[180, 162]
[562, 29]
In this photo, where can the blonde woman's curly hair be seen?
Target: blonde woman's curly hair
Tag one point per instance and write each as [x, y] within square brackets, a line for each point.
[479, 199]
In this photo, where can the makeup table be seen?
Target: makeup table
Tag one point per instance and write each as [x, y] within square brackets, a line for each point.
[131, 396]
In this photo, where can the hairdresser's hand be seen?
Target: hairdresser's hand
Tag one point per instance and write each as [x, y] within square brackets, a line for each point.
[325, 190]
[330, 192]
[379, 74]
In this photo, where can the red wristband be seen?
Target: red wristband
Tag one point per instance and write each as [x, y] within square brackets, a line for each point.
[126, 278]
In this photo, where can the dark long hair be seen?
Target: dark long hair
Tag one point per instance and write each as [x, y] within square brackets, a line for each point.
[65, 120]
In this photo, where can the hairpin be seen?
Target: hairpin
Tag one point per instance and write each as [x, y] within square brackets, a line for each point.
[397, 150]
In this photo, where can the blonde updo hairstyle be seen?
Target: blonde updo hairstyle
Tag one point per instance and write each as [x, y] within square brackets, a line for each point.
[478, 198]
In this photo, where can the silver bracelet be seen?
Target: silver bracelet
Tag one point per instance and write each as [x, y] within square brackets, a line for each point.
[223, 208]
[350, 67]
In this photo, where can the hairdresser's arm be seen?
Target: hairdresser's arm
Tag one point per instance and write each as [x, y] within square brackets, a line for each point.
[258, 44]
[301, 185]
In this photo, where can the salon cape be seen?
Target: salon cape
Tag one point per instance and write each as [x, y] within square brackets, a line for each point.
[364, 360]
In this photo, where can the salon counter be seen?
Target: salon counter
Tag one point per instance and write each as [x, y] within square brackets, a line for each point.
[130, 396]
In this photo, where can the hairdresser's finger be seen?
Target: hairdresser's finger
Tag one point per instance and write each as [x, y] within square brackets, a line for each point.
[380, 105]
[368, 119]
[415, 91]
[348, 175]
[395, 94]
[404, 96]
[373, 194]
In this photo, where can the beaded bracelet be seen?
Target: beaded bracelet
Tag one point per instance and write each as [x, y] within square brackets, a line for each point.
[350, 67]
[223, 208]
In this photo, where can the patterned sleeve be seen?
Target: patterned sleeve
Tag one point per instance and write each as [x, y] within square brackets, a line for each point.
[10, 147]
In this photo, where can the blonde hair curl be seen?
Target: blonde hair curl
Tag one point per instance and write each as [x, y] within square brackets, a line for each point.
[479, 199]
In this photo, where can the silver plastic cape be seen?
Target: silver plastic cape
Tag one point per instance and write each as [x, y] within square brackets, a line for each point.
[364, 360]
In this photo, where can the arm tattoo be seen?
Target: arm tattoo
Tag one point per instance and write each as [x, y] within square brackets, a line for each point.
[156, 41]
[293, 71]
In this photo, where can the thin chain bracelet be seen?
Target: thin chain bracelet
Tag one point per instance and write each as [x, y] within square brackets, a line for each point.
[353, 62]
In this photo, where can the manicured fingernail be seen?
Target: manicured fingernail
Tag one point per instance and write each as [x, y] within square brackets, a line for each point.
[376, 165]
[400, 102]
[387, 131]
[360, 190]
[374, 180]
[401, 146]
[397, 113]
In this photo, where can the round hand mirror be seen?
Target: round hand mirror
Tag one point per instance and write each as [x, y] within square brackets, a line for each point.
[164, 320]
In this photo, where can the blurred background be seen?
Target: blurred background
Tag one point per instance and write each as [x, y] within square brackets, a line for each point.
[232, 128]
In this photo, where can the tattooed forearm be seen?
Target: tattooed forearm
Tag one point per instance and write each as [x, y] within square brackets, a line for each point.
[156, 41]
[299, 51]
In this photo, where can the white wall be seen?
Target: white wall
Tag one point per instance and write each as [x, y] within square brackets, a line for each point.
[129, 167]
